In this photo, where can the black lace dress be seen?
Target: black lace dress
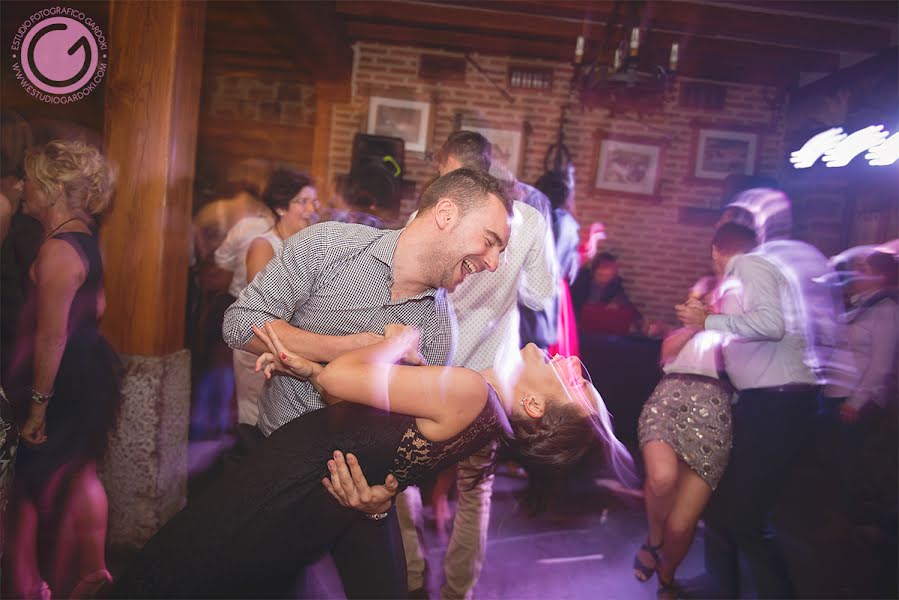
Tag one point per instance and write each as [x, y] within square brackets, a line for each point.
[254, 530]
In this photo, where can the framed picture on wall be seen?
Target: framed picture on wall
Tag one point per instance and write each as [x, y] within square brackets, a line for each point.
[506, 145]
[719, 153]
[406, 119]
[629, 165]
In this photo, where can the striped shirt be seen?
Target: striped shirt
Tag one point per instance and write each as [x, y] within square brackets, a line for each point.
[333, 279]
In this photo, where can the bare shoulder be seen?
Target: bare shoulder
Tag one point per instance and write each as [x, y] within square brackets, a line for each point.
[60, 260]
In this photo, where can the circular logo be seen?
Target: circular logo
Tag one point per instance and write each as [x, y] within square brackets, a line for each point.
[59, 55]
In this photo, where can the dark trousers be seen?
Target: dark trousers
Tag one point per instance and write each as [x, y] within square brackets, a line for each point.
[371, 561]
[770, 429]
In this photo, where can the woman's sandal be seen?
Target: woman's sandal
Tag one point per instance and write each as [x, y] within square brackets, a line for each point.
[643, 572]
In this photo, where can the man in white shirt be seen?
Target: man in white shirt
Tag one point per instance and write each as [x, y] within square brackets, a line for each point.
[770, 358]
[488, 326]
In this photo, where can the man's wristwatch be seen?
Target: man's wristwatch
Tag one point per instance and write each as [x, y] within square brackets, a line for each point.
[376, 516]
[39, 398]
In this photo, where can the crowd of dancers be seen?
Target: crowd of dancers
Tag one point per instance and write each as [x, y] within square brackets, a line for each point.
[369, 356]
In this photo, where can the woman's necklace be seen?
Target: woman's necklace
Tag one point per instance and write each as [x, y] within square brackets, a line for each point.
[278, 231]
[60, 226]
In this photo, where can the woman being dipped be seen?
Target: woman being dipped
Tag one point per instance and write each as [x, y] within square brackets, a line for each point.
[255, 530]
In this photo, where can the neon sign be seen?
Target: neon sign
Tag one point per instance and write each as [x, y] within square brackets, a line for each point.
[837, 149]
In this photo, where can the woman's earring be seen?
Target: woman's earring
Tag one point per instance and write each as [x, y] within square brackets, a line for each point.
[522, 401]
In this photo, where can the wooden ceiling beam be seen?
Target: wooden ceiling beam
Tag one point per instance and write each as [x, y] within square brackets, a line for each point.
[430, 28]
[722, 67]
[315, 36]
[707, 20]
[467, 21]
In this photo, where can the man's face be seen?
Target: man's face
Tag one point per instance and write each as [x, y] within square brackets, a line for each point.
[469, 244]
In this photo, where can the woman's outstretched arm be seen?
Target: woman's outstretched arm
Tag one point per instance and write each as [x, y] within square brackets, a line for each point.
[451, 397]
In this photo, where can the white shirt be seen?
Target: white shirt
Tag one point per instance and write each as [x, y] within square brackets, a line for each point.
[873, 341]
[762, 314]
[697, 357]
[486, 305]
[232, 254]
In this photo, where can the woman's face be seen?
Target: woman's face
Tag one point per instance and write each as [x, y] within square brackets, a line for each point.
[35, 200]
[539, 378]
[302, 210]
[604, 274]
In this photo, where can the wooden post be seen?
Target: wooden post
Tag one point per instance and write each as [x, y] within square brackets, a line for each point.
[152, 104]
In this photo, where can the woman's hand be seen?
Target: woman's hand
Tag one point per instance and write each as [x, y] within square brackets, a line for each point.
[34, 431]
[278, 358]
[407, 341]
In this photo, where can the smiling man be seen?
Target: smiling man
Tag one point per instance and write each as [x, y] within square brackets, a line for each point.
[335, 286]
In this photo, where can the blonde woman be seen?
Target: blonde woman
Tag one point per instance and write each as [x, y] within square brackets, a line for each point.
[65, 377]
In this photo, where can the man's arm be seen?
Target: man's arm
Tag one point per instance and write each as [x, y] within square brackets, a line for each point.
[762, 316]
[349, 487]
[286, 284]
[539, 274]
[313, 346]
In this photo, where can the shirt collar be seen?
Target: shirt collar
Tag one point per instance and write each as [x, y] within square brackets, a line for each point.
[383, 250]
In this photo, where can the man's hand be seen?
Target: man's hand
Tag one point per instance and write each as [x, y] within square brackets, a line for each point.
[409, 338]
[692, 314]
[349, 487]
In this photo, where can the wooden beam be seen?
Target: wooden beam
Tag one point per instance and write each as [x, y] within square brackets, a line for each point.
[152, 106]
[315, 36]
[463, 20]
[702, 19]
[699, 58]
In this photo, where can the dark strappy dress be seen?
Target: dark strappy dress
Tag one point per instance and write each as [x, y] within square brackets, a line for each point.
[253, 531]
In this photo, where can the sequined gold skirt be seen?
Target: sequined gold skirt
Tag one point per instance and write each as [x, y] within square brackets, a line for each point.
[691, 413]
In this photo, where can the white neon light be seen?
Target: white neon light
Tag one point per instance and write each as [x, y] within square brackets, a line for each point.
[863, 139]
[885, 154]
[815, 148]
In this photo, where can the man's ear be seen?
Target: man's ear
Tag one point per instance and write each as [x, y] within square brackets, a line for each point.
[446, 214]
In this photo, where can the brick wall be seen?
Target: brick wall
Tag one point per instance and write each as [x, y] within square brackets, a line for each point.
[252, 122]
[659, 258]
[267, 101]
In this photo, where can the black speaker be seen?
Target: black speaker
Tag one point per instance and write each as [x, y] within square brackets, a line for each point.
[378, 151]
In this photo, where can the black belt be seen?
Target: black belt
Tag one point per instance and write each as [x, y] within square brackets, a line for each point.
[791, 388]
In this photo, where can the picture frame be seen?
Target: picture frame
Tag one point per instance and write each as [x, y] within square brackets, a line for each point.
[718, 153]
[629, 165]
[506, 144]
[406, 119]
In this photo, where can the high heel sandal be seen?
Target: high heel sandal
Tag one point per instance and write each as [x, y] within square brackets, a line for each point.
[643, 572]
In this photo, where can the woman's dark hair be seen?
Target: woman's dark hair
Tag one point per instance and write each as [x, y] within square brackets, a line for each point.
[554, 184]
[283, 186]
[548, 448]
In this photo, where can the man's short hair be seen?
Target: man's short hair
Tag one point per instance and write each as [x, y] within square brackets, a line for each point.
[732, 238]
[468, 188]
[470, 148]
